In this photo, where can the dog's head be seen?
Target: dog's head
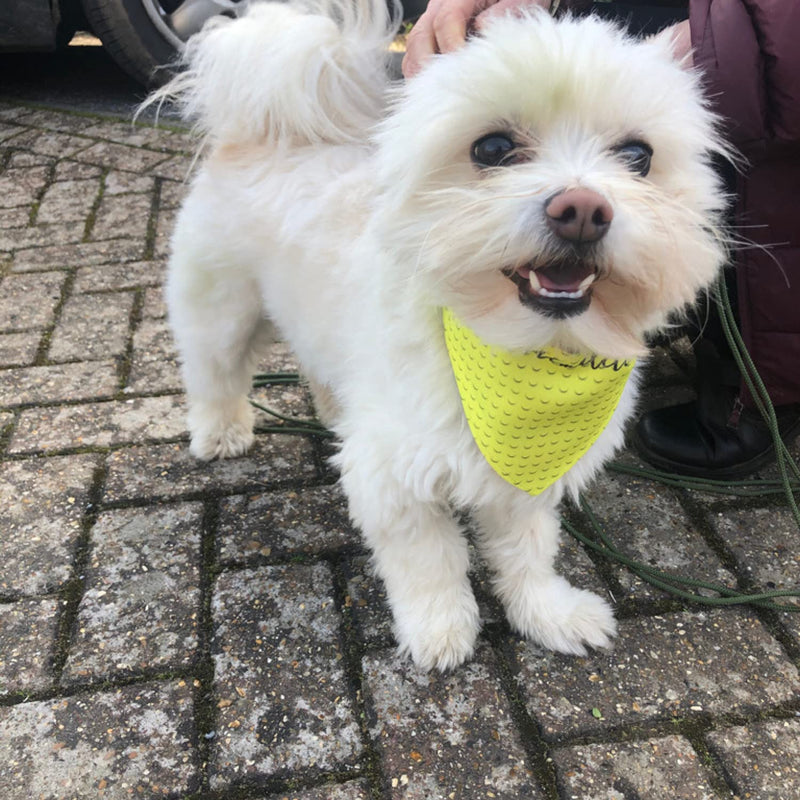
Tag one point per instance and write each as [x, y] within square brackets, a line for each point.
[551, 183]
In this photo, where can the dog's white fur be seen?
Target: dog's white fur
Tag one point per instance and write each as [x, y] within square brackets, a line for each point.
[352, 212]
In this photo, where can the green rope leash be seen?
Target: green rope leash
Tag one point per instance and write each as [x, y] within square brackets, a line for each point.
[754, 487]
[675, 584]
[759, 393]
[291, 425]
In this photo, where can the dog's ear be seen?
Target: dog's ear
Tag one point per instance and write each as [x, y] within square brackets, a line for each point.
[677, 41]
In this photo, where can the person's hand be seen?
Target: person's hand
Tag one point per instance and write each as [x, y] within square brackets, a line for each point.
[444, 25]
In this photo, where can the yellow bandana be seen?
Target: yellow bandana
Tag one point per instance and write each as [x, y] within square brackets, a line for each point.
[533, 415]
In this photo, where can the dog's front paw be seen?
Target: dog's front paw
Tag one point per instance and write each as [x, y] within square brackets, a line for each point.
[440, 635]
[221, 430]
[562, 618]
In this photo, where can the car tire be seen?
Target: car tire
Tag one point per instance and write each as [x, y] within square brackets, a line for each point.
[138, 36]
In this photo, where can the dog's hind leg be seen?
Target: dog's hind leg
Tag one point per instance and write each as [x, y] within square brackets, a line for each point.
[518, 536]
[220, 330]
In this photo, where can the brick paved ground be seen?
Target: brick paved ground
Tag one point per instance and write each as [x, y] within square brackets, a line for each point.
[173, 629]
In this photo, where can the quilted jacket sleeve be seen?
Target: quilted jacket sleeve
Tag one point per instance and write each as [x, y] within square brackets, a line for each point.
[749, 52]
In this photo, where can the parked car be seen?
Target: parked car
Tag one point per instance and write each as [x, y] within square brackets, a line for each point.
[140, 35]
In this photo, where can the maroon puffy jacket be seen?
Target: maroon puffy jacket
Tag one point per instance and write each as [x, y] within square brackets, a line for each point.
[749, 51]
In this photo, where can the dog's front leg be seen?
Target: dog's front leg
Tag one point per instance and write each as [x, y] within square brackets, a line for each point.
[519, 537]
[421, 555]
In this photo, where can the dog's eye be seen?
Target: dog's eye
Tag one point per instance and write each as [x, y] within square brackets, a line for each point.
[493, 150]
[636, 156]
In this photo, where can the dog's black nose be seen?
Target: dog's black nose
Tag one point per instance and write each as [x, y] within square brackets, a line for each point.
[579, 215]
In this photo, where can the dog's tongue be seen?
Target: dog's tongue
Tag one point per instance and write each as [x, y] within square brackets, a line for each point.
[564, 277]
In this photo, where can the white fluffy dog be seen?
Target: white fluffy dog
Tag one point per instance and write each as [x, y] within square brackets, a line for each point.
[548, 184]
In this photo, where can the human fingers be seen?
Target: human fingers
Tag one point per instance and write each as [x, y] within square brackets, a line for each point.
[441, 29]
[508, 6]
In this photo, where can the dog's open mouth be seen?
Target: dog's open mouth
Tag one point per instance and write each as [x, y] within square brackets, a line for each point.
[557, 289]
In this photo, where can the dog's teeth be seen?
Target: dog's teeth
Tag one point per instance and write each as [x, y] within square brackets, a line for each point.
[537, 288]
[562, 295]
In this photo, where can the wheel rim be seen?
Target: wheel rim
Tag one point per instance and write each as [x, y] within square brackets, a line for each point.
[177, 20]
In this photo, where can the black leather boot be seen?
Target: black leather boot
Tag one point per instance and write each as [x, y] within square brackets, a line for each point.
[713, 436]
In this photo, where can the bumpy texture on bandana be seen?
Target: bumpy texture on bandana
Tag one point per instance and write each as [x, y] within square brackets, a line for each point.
[533, 415]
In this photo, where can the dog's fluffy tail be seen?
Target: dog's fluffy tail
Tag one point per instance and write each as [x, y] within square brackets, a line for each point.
[302, 72]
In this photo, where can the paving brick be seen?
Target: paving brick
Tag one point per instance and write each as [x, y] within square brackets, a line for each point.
[278, 358]
[292, 400]
[8, 132]
[154, 306]
[120, 156]
[29, 301]
[22, 159]
[164, 228]
[19, 349]
[116, 277]
[177, 168]
[661, 668]
[660, 367]
[366, 599]
[41, 235]
[122, 215]
[133, 135]
[53, 120]
[13, 112]
[154, 361]
[173, 193]
[98, 424]
[77, 255]
[68, 201]
[51, 143]
[282, 523]
[22, 186]
[92, 327]
[283, 697]
[136, 741]
[575, 565]
[17, 217]
[654, 769]
[170, 470]
[445, 736]
[646, 522]
[179, 138]
[76, 381]
[28, 631]
[762, 759]
[142, 599]
[41, 505]
[771, 561]
[75, 171]
[128, 183]
[354, 790]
